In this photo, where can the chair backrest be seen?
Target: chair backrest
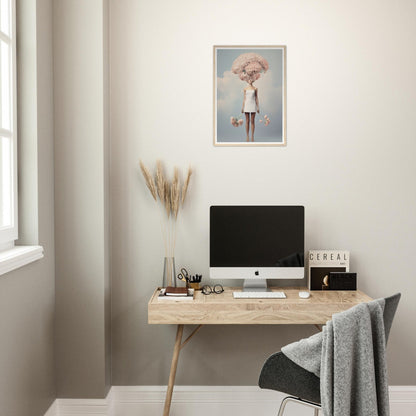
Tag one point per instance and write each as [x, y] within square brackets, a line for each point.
[389, 311]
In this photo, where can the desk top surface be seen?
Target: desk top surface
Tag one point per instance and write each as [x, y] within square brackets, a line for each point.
[219, 309]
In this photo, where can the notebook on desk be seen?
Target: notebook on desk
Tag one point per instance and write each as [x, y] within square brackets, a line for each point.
[169, 298]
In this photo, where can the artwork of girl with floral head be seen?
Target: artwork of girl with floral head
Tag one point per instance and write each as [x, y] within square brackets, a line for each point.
[249, 95]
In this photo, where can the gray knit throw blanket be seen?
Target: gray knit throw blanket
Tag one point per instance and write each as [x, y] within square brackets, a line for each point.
[349, 356]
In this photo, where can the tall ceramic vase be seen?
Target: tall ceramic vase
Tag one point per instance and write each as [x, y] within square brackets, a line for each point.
[169, 275]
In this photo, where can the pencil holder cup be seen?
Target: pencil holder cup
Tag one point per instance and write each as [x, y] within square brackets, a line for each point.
[196, 286]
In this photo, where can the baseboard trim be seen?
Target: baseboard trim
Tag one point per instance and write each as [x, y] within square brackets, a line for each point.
[193, 394]
[204, 401]
[402, 400]
[86, 407]
[53, 409]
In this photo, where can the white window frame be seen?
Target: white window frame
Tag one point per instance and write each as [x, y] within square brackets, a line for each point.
[8, 234]
[11, 256]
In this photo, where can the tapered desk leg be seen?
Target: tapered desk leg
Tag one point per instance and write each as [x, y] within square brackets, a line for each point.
[173, 367]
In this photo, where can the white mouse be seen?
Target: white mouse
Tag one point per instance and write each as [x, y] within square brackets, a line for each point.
[304, 295]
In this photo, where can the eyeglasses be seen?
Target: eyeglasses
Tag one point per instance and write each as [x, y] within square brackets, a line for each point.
[207, 290]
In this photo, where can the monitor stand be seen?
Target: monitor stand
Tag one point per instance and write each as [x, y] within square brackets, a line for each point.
[255, 285]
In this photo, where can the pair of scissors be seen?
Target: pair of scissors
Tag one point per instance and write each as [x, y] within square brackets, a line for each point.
[184, 275]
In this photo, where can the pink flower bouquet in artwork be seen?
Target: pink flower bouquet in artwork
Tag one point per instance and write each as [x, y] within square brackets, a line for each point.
[266, 120]
[248, 66]
[235, 121]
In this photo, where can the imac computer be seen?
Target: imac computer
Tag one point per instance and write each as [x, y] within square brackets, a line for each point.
[256, 243]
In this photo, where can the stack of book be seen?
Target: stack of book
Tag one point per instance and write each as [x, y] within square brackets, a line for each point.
[176, 293]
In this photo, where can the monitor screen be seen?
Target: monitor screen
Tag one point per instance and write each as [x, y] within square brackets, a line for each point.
[257, 237]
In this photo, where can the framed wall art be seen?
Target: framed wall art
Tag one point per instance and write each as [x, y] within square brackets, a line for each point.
[249, 95]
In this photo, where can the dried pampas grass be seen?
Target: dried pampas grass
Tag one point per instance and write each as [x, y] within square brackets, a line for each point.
[186, 184]
[175, 193]
[160, 180]
[149, 180]
[166, 199]
[171, 196]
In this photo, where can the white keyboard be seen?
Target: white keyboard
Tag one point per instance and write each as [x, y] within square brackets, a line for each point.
[259, 295]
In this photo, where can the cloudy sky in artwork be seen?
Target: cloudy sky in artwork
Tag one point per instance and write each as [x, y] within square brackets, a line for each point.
[230, 94]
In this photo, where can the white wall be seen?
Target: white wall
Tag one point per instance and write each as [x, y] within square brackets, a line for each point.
[349, 160]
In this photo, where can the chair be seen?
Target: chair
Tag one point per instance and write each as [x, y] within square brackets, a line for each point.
[282, 374]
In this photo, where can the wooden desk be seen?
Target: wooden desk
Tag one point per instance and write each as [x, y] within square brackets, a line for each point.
[224, 309]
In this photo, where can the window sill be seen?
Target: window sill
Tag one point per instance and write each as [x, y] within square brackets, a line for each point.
[19, 256]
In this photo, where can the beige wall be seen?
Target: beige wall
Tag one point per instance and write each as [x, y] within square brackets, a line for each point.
[349, 160]
[81, 198]
[27, 384]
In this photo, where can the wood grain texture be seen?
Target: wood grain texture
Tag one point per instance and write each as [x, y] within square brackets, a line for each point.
[224, 309]
[173, 367]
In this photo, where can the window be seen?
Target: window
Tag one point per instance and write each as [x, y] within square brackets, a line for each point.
[11, 256]
[8, 140]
